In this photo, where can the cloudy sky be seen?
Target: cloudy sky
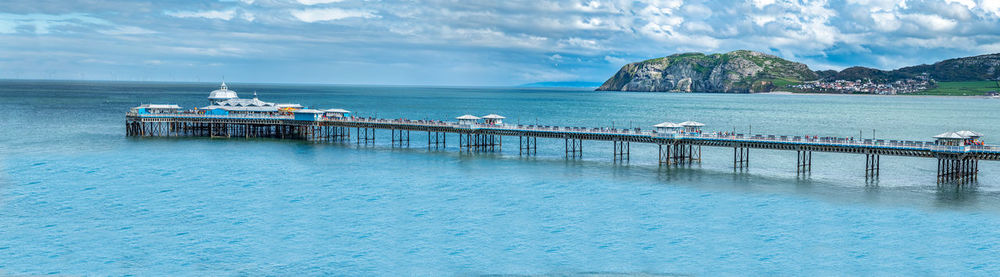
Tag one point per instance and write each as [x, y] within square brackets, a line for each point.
[452, 42]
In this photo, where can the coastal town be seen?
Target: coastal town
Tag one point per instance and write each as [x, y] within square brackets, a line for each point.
[904, 86]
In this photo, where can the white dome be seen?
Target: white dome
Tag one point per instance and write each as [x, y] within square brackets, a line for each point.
[222, 93]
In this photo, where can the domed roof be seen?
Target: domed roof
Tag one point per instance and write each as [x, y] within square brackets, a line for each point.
[222, 93]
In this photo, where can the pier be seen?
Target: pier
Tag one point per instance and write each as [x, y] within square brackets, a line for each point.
[957, 153]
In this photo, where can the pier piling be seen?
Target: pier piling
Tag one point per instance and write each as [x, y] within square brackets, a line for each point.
[872, 166]
[621, 151]
[741, 158]
[803, 161]
[527, 145]
[574, 148]
[958, 155]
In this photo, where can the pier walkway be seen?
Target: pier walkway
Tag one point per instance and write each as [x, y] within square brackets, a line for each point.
[955, 162]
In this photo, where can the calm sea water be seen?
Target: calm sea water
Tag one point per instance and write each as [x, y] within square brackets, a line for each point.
[78, 197]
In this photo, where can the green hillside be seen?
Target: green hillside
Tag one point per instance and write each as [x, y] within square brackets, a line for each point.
[971, 88]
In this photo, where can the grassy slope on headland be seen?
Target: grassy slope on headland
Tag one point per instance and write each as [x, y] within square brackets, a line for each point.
[973, 88]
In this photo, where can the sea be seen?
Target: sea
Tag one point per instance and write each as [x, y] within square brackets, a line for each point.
[79, 197]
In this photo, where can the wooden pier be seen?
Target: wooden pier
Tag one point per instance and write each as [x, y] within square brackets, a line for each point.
[955, 163]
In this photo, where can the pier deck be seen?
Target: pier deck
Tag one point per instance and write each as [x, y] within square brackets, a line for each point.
[955, 163]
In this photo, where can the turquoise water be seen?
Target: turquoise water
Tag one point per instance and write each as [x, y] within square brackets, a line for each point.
[78, 197]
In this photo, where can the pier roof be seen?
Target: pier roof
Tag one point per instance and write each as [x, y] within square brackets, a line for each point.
[308, 111]
[692, 124]
[950, 135]
[336, 111]
[668, 125]
[159, 106]
[468, 117]
[493, 116]
[242, 108]
[970, 134]
[222, 93]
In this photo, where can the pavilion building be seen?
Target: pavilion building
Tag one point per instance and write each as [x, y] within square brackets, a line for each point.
[224, 101]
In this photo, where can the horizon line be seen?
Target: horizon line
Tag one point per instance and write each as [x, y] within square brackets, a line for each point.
[525, 85]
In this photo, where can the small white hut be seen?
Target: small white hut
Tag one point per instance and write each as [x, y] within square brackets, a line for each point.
[950, 139]
[668, 128]
[467, 119]
[692, 127]
[493, 119]
[336, 113]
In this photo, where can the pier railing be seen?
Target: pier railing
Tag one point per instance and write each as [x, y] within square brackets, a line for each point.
[717, 136]
[675, 147]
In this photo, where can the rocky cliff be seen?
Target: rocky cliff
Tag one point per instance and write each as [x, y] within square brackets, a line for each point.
[734, 72]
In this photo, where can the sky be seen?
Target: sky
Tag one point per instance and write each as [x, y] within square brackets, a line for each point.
[465, 43]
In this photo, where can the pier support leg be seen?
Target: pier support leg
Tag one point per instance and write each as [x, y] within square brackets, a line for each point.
[621, 151]
[574, 148]
[957, 169]
[366, 135]
[803, 161]
[741, 158]
[468, 141]
[400, 137]
[435, 139]
[682, 153]
[872, 166]
[664, 154]
[694, 153]
[527, 145]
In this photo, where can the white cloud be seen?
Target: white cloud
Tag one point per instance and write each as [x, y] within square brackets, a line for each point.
[543, 75]
[762, 3]
[212, 51]
[44, 23]
[222, 15]
[581, 43]
[886, 22]
[317, 2]
[991, 6]
[588, 35]
[615, 60]
[248, 16]
[967, 3]
[127, 30]
[932, 22]
[7, 26]
[315, 15]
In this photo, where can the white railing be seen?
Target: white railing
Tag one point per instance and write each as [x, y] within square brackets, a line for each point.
[196, 115]
[830, 141]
